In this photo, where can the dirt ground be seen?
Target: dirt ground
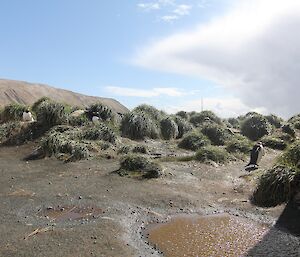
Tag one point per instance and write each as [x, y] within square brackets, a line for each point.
[33, 193]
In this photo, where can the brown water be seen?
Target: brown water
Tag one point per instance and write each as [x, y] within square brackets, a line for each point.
[70, 213]
[213, 235]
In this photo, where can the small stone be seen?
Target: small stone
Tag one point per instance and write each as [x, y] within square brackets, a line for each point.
[80, 197]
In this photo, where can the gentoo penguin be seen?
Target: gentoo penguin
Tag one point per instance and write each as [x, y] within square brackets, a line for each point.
[27, 116]
[256, 154]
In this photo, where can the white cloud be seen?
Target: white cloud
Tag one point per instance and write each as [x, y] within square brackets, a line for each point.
[169, 18]
[224, 107]
[182, 9]
[253, 50]
[173, 11]
[158, 91]
[149, 6]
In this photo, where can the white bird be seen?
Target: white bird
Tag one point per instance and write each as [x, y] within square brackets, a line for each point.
[27, 116]
[95, 119]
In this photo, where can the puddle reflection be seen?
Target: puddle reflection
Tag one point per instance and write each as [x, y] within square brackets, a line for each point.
[213, 235]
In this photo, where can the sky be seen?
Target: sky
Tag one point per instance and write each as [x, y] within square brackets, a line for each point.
[236, 55]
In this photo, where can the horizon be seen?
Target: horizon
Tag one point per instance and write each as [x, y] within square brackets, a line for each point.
[238, 56]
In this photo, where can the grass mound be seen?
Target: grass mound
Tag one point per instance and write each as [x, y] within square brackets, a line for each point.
[217, 134]
[99, 132]
[274, 120]
[295, 121]
[139, 166]
[197, 119]
[99, 110]
[78, 121]
[234, 122]
[279, 184]
[289, 129]
[50, 113]
[138, 125]
[13, 112]
[276, 186]
[8, 129]
[193, 141]
[169, 128]
[184, 126]
[255, 127]
[291, 157]
[212, 153]
[151, 111]
[239, 144]
[64, 142]
[274, 142]
[183, 115]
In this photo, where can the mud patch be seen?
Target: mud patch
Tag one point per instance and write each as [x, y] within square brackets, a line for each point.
[212, 235]
[71, 213]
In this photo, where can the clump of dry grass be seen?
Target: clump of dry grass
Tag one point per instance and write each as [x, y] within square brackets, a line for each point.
[279, 184]
[212, 153]
[169, 128]
[13, 112]
[138, 125]
[139, 166]
[276, 186]
[193, 141]
[274, 142]
[239, 144]
[64, 142]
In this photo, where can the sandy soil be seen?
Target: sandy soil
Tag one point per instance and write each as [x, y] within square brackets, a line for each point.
[29, 189]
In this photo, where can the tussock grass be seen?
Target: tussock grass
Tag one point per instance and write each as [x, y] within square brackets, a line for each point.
[274, 142]
[193, 141]
[138, 125]
[101, 111]
[212, 153]
[13, 112]
[276, 186]
[139, 166]
[239, 144]
[279, 184]
[168, 128]
[217, 134]
[255, 126]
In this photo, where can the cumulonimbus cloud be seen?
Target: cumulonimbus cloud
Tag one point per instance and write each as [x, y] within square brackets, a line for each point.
[253, 50]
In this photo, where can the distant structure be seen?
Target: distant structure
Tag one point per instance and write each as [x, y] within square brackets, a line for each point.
[256, 154]
[27, 116]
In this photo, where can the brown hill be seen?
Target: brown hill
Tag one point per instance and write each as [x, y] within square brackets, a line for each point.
[27, 93]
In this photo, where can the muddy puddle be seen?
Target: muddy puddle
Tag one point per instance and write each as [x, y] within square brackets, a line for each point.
[213, 235]
[71, 213]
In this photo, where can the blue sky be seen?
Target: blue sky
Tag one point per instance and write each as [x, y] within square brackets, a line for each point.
[139, 51]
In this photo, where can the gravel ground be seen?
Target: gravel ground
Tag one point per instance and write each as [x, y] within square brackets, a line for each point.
[30, 190]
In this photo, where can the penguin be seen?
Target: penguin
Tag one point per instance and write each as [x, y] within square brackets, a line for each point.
[256, 154]
[27, 116]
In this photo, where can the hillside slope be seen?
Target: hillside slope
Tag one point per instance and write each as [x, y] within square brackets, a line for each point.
[27, 93]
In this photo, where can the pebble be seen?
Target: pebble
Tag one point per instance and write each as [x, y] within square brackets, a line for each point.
[80, 197]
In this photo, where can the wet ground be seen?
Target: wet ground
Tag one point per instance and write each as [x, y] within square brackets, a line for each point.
[207, 235]
[49, 208]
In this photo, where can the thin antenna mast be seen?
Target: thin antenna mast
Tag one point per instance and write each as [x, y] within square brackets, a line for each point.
[201, 104]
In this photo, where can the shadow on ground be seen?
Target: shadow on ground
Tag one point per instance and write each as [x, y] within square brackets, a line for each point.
[282, 239]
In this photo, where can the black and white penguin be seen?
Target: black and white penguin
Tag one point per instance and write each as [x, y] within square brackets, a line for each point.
[256, 154]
